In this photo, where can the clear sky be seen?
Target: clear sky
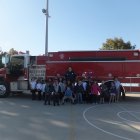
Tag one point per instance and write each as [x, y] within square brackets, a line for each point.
[73, 25]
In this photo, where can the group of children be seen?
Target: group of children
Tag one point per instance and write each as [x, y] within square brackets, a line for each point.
[58, 91]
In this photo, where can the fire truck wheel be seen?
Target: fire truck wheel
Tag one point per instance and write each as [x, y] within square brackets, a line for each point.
[3, 90]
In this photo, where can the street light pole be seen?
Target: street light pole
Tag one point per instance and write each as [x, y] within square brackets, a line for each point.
[47, 16]
[46, 12]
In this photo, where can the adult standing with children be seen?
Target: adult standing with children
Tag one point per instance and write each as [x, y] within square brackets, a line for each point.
[118, 86]
[112, 92]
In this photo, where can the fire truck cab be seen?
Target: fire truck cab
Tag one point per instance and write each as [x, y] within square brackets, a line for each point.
[17, 73]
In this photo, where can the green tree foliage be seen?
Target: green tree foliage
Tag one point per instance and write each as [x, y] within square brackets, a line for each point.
[116, 44]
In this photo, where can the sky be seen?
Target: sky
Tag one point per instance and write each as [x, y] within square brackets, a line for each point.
[73, 24]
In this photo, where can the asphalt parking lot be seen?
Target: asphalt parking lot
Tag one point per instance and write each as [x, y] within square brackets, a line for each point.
[24, 119]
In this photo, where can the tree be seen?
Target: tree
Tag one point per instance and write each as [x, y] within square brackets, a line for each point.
[12, 51]
[116, 44]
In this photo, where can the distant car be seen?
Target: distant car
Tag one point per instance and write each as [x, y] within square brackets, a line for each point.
[122, 90]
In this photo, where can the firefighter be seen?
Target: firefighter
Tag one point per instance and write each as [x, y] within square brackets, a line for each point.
[70, 75]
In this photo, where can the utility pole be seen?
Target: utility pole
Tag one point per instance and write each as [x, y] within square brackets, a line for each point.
[46, 12]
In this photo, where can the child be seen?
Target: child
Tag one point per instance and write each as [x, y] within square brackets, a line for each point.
[104, 91]
[79, 92]
[95, 90]
[68, 95]
[49, 89]
[33, 88]
[56, 94]
[39, 88]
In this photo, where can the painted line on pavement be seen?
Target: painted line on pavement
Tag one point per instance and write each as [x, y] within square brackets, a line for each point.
[93, 125]
[131, 113]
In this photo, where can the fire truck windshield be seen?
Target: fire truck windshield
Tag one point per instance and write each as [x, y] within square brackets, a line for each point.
[17, 61]
[17, 65]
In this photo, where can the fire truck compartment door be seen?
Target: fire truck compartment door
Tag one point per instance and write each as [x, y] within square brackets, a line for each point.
[23, 85]
[19, 86]
[14, 86]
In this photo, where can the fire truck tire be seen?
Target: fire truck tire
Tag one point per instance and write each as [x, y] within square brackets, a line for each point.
[4, 89]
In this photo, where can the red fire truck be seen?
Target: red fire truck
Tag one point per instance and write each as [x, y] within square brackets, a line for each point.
[101, 64]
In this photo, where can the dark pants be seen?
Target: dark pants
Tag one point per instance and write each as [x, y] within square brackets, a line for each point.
[91, 98]
[87, 98]
[39, 95]
[95, 98]
[47, 99]
[33, 91]
[43, 97]
[61, 95]
[55, 99]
